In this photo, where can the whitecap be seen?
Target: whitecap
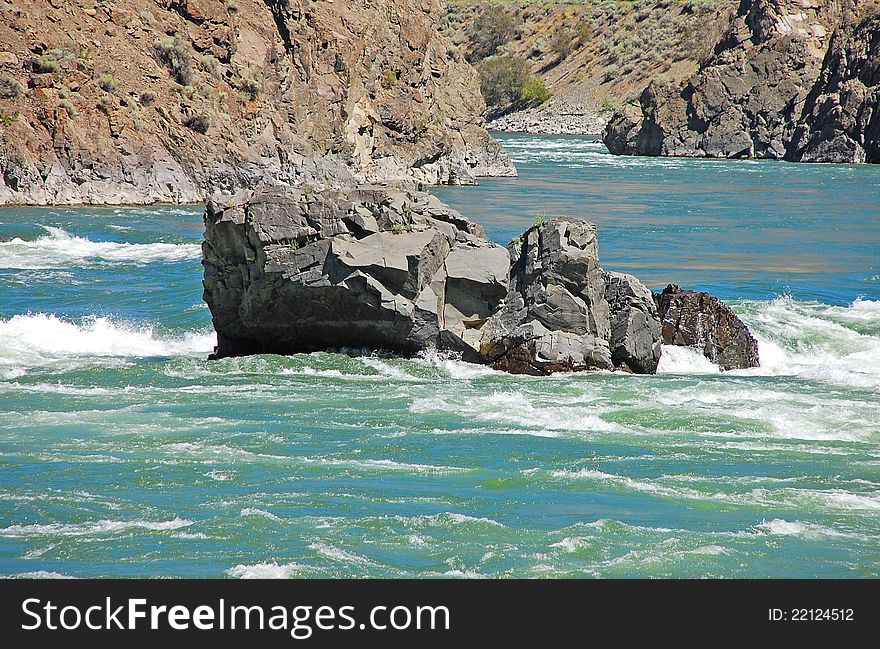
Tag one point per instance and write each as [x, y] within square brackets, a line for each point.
[60, 249]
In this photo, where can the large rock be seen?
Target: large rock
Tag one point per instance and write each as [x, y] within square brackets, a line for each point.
[555, 316]
[635, 324]
[702, 321]
[747, 99]
[369, 267]
[290, 271]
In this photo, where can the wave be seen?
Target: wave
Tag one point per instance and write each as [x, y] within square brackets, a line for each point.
[810, 340]
[271, 570]
[97, 528]
[60, 249]
[35, 339]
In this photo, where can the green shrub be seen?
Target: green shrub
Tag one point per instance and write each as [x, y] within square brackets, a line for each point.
[508, 84]
[105, 105]
[211, 65]
[67, 105]
[8, 119]
[250, 87]
[9, 87]
[563, 43]
[173, 53]
[107, 82]
[148, 18]
[493, 27]
[46, 64]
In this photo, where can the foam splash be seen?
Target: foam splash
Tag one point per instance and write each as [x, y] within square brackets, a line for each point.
[96, 528]
[271, 570]
[809, 340]
[34, 339]
[60, 249]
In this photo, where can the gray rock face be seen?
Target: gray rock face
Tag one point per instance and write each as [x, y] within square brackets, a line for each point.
[699, 320]
[555, 317]
[635, 324]
[290, 271]
[747, 100]
[287, 271]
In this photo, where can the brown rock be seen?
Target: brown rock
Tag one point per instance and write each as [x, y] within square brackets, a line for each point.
[702, 321]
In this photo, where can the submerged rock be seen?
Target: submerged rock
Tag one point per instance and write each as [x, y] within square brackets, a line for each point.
[702, 321]
[290, 270]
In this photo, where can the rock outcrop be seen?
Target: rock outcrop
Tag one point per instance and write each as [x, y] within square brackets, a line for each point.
[555, 316]
[699, 320]
[841, 120]
[289, 271]
[366, 267]
[768, 91]
[135, 101]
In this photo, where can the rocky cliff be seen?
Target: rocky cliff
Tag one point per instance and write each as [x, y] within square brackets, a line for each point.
[778, 86]
[841, 118]
[135, 101]
[293, 270]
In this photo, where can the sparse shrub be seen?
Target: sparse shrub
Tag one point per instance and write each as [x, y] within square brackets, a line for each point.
[250, 87]
[46, 64]
[173, 53]
[388, 78]
[147, 97]
[8, 119]
[198, 123]
[148, 18]
[105, 105]
[493, 27]
[9, 87]
[68, 106]
[563, 43]
[508, 84]
[210, 65]
[539, 221]
[107, 82]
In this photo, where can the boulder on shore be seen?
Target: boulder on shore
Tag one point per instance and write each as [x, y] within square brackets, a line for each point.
[368, 267]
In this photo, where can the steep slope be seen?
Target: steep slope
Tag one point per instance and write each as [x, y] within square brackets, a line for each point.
[596, 55]
[135, 101]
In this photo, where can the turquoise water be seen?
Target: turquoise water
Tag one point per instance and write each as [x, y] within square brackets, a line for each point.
[124, 453]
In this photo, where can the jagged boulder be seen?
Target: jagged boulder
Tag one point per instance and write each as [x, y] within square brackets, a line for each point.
[635, 324]
[702, 321]
[555, 317]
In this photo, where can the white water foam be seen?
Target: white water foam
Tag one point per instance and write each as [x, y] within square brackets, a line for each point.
[253, 511]
[810, 340]
[34, 339]
[271, 570]
[96, 528]
[60, 249]
[831, 344]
